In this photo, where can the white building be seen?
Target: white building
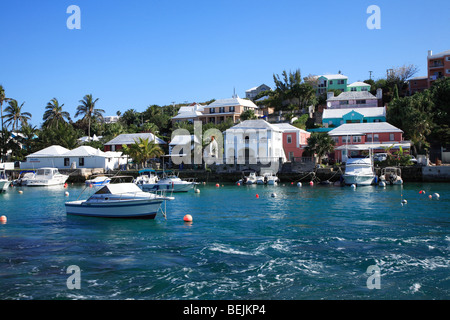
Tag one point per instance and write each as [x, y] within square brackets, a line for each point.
[253, 92]
[254, 141]
[82, 157]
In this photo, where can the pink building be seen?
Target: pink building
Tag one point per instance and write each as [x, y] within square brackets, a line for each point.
[363, 136]
[294, 140]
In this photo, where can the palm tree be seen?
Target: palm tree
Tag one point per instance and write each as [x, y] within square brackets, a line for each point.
[2, 99]
[142, 150]
[87, 108]
[320, 143]
[14, 114]
[54, 114]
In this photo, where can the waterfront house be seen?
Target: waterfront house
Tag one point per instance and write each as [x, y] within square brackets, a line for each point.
[417, 84]
[294, 140]
[375, 135]
[83, 157]
[129, 139]
[254, 141]
[336, 117]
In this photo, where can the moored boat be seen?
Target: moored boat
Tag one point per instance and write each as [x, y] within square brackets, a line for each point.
[46, 177]
[359, 171]
[118, 200]
[98, 181]
[391, 175]
[4, 182]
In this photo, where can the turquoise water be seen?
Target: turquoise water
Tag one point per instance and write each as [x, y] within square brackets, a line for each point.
[305, 243]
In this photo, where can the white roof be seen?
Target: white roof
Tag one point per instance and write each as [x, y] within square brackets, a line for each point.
[232, 102]
[254, 124]
[439, 55]
[363, 128]
[353, 95]
[366, 112]
[131, 138]
[188, 115]
[49, 152]
[367, 146]
[84, 151]
[183, 139]
[359, 84]
[286, 127]
[334, 76]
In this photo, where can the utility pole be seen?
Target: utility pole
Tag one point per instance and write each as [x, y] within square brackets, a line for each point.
[370, 75]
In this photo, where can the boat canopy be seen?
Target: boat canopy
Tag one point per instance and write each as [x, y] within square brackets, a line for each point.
[119, 188]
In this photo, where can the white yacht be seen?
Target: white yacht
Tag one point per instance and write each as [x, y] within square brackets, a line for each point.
[118, 200]
[4, 182]
[359, 171]
[98, 181]
[46, 177]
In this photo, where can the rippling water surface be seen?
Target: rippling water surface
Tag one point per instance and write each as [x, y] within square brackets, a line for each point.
[305, 243]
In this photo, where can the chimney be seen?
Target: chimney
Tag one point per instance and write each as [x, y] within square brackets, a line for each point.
[330, 94]
[430, 53]
[379, 93]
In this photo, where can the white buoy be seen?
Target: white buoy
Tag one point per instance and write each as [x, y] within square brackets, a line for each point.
[404, 201]
[299, 184]
[197, 190]
[273, 195]
[436, 195]
[66, 193]
[382, 184]
[353, 186]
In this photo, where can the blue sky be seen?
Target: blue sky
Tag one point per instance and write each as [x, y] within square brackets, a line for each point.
[131, 54]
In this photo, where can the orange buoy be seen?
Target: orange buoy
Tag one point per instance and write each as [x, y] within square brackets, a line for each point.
[217, 185]
[257, 196]
[311, 183]
[238, 184]
[187, 218]
[65, 185]
[3, 219]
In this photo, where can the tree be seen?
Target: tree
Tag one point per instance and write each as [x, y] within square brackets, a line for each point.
[54, 114]
[320, 143]
[2, 100]
[63, 134]
[87, 109]
[142, 150]
[248, 115]
[14, 114]
[413, 115]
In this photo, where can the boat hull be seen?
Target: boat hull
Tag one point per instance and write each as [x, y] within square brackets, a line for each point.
[4, 184]
[359, 180]
[176, 187]
[138, 209]
[46, 182]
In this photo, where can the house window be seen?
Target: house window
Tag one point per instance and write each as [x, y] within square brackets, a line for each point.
[353, 89]
[212, 110]
[356, 139]
[289, 138]
[335, 139]
[375, 137]
[344, 140]
[331, 82]
[66, 162]
[221, 109]
[340, 81]
[81, 162]
[343, 102]
[391, 137]
[448, 70]
[369, 138]
[364, 89]
[360, 101]
[232, 109]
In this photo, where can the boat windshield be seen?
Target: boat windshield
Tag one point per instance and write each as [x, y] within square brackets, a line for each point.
[44, 172]
[104, 190]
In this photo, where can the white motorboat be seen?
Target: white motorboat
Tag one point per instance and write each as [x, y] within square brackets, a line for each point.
[359, 171]
[272, 179]
[146, 176]
[4, 182]
[46, 177]
[250, 179]
[98, 181]
[391, 175]
[168, 183]
[23, 178]
[118, 200]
